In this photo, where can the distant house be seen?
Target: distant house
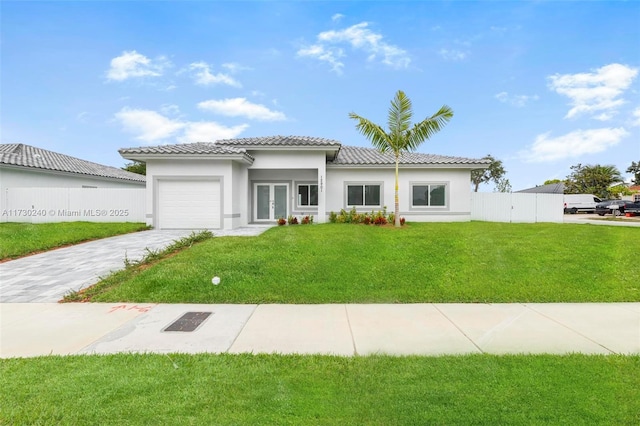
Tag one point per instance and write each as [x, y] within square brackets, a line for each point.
[25, 166]
[552, 188]
[231, 183]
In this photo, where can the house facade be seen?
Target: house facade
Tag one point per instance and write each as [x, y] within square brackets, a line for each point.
[232, 183]
[25, 166]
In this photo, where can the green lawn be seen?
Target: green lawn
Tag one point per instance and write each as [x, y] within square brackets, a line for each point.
[20, 239]
[421, 262]
[323, 390]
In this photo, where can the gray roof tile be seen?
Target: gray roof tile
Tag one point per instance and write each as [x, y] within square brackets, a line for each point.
[353, 155]
[17, 154]
[210, 148]
[280, 141]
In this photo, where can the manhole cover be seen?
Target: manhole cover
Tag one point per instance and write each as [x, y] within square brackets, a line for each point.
[188, 322]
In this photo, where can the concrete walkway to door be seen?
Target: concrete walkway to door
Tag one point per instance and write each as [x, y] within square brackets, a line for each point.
[47, 277]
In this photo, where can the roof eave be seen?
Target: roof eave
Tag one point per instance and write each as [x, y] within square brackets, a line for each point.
[471, 166]
[144, 157]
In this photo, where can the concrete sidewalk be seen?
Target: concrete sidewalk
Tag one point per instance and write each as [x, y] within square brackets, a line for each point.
[34, 329]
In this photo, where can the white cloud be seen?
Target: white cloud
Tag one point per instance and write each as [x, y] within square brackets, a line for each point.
[596, 92]
[327, 54]
[235, 67]
[133, 64]
[574, 144]
[202, 75]
[515, 100]
[240, 107]
[358, 37]
[149, 126]
[636, 117]
[337, 17]
[209, 131]
[452, 55]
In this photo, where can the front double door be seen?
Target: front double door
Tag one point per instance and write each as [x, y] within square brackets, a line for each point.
[270, 201]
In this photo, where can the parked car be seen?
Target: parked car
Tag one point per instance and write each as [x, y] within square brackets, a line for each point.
[574, 203]
[608, 207]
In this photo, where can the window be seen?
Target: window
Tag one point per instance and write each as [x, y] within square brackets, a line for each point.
[428, 195]
[307, 195]
[636, 198]
[363, 195]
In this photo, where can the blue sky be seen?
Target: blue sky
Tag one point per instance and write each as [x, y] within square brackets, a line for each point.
[540, 85]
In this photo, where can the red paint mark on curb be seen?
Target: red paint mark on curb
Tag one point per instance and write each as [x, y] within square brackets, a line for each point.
[141, 309]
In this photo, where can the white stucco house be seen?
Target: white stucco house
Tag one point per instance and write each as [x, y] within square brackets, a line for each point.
[231, 183]
[25, 166]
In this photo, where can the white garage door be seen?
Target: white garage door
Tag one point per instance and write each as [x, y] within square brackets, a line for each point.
[188, 204]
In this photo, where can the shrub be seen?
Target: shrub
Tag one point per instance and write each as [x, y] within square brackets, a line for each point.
[282, 221]
[402, 221]
[307, 220]
[333, 217]
[292, 220]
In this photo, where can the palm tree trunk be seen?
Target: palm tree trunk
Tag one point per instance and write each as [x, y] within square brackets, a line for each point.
[397, 199]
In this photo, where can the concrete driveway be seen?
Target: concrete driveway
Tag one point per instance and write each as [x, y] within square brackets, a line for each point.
[47, 277]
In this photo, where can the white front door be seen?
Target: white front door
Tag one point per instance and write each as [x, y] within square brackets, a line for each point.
[270, 201]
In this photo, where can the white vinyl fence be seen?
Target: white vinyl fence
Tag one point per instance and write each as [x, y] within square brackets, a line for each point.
[41, 205]
[516, 207]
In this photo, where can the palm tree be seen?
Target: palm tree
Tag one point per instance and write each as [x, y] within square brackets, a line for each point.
[401, 137]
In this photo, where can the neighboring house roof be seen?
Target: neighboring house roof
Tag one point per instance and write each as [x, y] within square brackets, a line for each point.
[346, 155]
[21, 155]
[634, 188]
[552, 188]
[353, 155]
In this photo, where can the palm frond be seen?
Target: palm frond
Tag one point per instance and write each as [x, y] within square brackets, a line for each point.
[400, 113]
[428, 127]
[376, 134]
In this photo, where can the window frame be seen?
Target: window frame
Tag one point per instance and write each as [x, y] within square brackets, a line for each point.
[364, 206]
[308, 185]
[429, 207]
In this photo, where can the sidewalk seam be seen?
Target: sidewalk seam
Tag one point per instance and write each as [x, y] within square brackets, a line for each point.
[459, 329]
[353, 340]
[569, 328]
[242, 329]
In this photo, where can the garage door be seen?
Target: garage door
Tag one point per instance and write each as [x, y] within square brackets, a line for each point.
[188, 204]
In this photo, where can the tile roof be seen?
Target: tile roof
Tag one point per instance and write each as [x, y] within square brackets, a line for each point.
[281, 141]
[185, 148]
[17, 154]
[552, 188]
[353, 155]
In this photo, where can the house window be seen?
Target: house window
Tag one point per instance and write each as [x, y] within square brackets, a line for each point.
[428, 195]
[307, 195]
[363, 195]
[636, 198]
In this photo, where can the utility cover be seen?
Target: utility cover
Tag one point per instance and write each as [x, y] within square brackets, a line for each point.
[188, 322]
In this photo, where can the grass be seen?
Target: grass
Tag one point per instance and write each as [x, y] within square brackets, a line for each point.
[21, 239]
[422, 262]
[292, 389]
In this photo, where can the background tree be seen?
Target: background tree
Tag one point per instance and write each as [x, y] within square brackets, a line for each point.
[618, 191]
[494, 173]
[596, 180]
[503, 185]
[635, 169]
[136, 167]
[401, 137]
[552, 181]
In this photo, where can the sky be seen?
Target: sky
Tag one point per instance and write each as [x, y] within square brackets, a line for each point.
[539, 85]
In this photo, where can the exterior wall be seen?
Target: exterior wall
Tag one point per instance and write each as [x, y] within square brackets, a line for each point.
[240, 189]
[291, 167]
[14, 177]
[222, 170]
[457, 181]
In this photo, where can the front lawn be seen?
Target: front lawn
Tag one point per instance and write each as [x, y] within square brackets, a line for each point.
[308, 390]
[20, 239]
[421, 262]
